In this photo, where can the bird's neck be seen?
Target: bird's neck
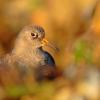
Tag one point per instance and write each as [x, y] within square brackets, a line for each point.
[27, 54]
[21, 47]
[25, 49]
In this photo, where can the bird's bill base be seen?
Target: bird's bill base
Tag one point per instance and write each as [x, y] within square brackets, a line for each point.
[45, 42]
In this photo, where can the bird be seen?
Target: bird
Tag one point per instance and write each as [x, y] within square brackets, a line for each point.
[28, 56]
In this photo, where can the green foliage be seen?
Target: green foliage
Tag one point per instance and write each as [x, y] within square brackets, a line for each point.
[44, 91]
[82, 51]
[16, 91]
[36, 3]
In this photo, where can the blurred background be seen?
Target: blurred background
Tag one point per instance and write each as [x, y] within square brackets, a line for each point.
[71, 25]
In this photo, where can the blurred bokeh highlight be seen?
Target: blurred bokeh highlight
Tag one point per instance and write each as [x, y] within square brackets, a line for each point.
[71, 25]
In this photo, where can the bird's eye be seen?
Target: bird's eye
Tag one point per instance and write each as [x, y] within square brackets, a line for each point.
[32, 34]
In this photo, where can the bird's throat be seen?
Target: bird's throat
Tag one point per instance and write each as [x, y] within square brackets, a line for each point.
[28, 54]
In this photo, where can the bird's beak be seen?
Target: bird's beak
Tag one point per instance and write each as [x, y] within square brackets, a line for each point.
[45, 42]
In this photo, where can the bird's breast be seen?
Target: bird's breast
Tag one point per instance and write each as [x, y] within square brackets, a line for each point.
[31, 58]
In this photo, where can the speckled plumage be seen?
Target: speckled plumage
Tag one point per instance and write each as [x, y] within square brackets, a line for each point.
[28, 55]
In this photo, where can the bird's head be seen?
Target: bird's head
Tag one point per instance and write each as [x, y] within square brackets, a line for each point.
[34, 36]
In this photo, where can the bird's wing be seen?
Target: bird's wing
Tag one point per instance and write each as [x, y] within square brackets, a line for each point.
[45, 72]
[14, 73]
[49, 59]
[8, 74]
